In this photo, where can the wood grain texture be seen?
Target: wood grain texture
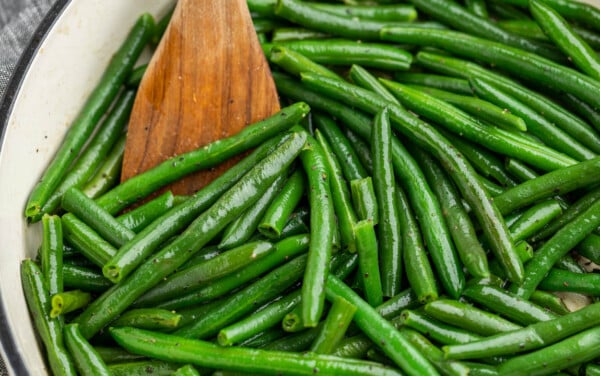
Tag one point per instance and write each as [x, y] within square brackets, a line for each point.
[207, 80]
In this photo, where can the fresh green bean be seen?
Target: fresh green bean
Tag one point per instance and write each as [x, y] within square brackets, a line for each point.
[450, 84]
[295, 62]
[112, 355]
[506, 304]
[459, 224]
[109, 172]
[285, 34]
[187, 370]
[322, 227]
[364, 199]
[368, 261]
[79, 277]
[391, 12]
[242, 228]
[556, 247]
[149, 318]
[477, 7]
[93, 109]
[282, 206]
[49, 330]
[336, 323]
[363, 78]
[518, 62]
[438, 331]
[85, 357]
[175, 220]
[563, 180]
[136, 75]
[388, 230]
[583, 109]
[520, 170]
[205, 157]
[51, 253]
[173, 348]
[564, 280]
[549, 301]
[96, 217]
[86, 240]
[534, 219]
[95, 152]
[202, 230]
[381, 331]
[140, 217]
[144, 368]
[296, 224]
[361, 148]
[200, 274]
[460, 18]
[592, 370]
[340, 193]
[68, 301]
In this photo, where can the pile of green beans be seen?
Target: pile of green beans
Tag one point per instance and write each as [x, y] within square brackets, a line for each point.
[426, 202]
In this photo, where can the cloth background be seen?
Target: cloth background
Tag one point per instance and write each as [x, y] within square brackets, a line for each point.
[18, 21]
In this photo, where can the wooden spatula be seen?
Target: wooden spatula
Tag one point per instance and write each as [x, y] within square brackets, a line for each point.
[207, 79]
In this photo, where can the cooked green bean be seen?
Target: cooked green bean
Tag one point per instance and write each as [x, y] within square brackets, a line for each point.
[534, 219]
[477, 7]
[295, 62]
[583, 109]
[365, 79]
[391, 12]
[143, 368]
[284, 34]
[86, 240]
[140, 217]
[68, 301]
[51, 253]
[108, 173]
[148, 318]
[368, 261]
[564, 280]
[93, 109]
[549, 301]
[187, 370]
[79, 277]
[282, 206]
[438, 331]
[446, 83]
[85, 357]
[361, 149]
[336, 323]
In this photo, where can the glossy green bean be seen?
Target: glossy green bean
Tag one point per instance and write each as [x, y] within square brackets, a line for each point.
[296, 224]
[136, 75]
[446, 83]
[534, 219]
[140, 217]
[106, 136]
[436, 330]
[112, 355]
[285, 34]
[108, 173]
[49, 330]
[583, 109]
[295, 62]
[556, 247]
[187, 370]
[93, 109]
[550, 302]
[86, 240]
[208, 156]
[564, 280]
[361, 148]
[322, 228]
[391, 12]
[382, 332]
[86, 279]
[334, 328]
[563, 180]
[87, 361]
[51, 253]
[520, 170]
[205, 354]
[92, 214]
[282, 206]
[144, 368]
[477, 7]
[363, 78]
[149, 318]
[68, 301]
[201, 231]
[368, 261]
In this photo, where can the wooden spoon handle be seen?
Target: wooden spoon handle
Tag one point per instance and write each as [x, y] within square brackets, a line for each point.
[207, 80]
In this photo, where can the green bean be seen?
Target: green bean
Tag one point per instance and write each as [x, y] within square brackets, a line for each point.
[368, 261]
[459, 224]
[68, 301]
[143, 368]
[263, 338]
[536, 124]
[563, 180]
[451, 84]
[95, 152]
[282, 206]
[161, 26]
[285, 34]
[51, 253]
[321, 233]
[187, 370]
[140, 217]
[460, 18]
[205, 354]
[49, 330]
[564, 280]
[516, 61]
[525, 27]
[520, 170]
[292, 321]
[205, 157]
[93, 109]
[392, 12]
[362, 150]
[79, 277]
[574, 350]
[262, 7]
[265, 25]
[483, 160]
[295, 62]
[481, 109]
[438, 331]
[284, 250]
[112, 355]
[353, 347]
[202, 230]
[576, 11]
[434, 354]
[148, 318]
[96, 217]
[563, 119]
[468, 317]
[261, 320]
[365, 79]
[86, 240]
[549, 301]
[592, 370]
[296, 224]
[477, 7]
[336, 323]
[109, 172]
[506, 304]
[534, 219]
[416, 264]
[136, 75]
[347, 52]
[85, 357]
[556, 247]
[242, 228]
[507, 11]
[175, 220]
[364, 199]
[590, 248]
[195, 276]
[388, 230]
[340, 193]
[381, 331]
[583, 109]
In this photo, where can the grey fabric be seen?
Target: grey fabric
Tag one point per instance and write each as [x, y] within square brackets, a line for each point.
[18, 20]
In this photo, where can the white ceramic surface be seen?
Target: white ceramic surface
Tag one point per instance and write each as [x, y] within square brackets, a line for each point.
[66, 67]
